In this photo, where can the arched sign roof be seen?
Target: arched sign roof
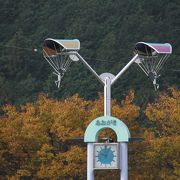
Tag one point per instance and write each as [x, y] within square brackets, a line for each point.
[100, 123]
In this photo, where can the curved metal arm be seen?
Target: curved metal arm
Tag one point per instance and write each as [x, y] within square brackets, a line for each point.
[87, 65]
[124, 69]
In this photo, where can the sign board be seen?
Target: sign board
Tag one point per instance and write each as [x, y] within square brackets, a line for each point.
[100, 123]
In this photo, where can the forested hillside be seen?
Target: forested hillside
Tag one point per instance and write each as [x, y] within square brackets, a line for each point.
[107, 30]
[39, 122]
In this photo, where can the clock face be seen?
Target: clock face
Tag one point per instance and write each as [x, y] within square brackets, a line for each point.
[106, 156]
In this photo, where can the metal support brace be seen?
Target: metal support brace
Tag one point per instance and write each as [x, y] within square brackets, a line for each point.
[124, 69]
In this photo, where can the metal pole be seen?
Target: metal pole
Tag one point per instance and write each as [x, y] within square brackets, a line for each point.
[107, 112]
[89, 67]
[107, 96]
[124, 69]
[90, 170]
[107, 82]
[124, 160]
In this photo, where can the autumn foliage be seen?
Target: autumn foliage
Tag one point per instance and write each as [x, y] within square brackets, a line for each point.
[37, 140]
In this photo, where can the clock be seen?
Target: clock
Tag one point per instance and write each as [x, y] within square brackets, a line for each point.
[106, 156]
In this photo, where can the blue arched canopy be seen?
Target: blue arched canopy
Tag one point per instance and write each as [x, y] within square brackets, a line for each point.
[100, 123]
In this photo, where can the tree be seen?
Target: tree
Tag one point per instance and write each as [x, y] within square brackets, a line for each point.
[156, 157]
[165, 113]
[37, 140]
[107, 34]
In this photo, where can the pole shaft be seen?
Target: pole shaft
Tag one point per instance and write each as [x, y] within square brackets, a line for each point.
[90, 68]
[124, 69]
[90, 170]
[124, 160]
[107, 96]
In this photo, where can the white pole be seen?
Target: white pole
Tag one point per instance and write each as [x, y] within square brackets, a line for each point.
[107, 96]
[124, 69]
[107, 112]
[90, 171]
[89, 67]
[124, 160]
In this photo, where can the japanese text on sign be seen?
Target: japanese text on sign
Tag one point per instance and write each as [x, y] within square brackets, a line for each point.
[106, 123]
